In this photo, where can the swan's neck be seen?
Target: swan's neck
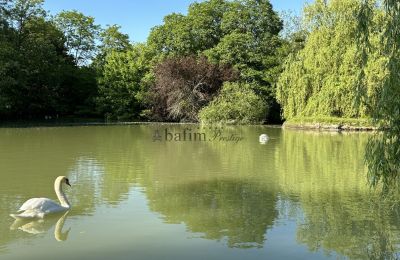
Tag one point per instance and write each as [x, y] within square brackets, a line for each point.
[60, 194]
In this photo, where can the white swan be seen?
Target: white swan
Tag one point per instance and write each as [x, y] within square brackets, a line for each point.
[39, 207]
[263, 138]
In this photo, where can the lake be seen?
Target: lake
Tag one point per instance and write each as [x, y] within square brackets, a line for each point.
[164, 191]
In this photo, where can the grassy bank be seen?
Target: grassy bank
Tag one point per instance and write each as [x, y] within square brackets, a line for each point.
[330, 123]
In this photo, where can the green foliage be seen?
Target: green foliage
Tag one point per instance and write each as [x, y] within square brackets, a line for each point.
[206, 20]
[112, 40]
[383, 149]
[382, 158]
[251, 44]
[323, 79]
[237, 104]
[173, 37]
[123, 83]
[294, 32]
[21, 11]
[37, 76]
[122, 70]
[81, 34]
[186, 35]
[66, 54]
[241, 34]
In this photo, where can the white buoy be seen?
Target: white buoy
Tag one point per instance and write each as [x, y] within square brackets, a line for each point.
[263, 138]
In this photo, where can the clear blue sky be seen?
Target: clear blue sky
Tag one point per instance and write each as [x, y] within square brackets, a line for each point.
[137, 17]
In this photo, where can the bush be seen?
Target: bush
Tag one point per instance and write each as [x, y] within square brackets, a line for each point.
[236, 104]
[184, 85]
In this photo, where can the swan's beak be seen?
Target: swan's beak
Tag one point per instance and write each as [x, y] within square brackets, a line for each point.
[67, 182]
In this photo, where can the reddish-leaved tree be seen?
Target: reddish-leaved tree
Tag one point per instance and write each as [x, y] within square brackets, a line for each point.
[184, 85]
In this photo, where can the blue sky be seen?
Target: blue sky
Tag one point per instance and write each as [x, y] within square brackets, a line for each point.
[137, 17]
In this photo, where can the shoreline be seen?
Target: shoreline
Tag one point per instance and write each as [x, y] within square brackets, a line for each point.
[334, 124]
[323, 126]
[34, 124]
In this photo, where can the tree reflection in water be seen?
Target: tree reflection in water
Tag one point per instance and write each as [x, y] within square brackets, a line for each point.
[223, 192]
[240, 212]
[325, 172]
[383, 160]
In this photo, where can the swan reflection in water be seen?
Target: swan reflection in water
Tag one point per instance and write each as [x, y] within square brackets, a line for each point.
[40, 226]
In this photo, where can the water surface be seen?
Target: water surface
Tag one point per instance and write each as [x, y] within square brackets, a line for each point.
[135, 194]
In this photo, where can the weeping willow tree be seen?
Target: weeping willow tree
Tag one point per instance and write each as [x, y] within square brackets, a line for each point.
[383, 150]
[348, 68]
[323, 79]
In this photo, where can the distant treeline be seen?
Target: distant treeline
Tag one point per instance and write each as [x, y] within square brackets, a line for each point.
[223, 56]
[225, 61]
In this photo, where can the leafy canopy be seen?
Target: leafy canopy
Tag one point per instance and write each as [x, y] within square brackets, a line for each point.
[323, 79]
[243, 34]
[81, 34]
[236, 104]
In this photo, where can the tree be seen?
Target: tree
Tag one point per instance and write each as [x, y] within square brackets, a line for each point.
[185, 85]
[123, 83]
[294, 32]
[173, 37]
[250, 44]
[37, 75]
[4, 11]
[236, 104]
[31, 54]
[383, 150]
[323, 78]
[7, 67]
[111, 40]
[206, 20]
[81, 34]
[21, 11]
[121, 68]
[242, 34]
[182, 35]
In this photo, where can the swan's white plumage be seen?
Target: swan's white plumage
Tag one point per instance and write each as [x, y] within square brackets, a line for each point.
[39, 207]
[42, 204]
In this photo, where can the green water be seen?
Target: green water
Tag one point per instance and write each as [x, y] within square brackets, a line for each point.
[303, 195]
